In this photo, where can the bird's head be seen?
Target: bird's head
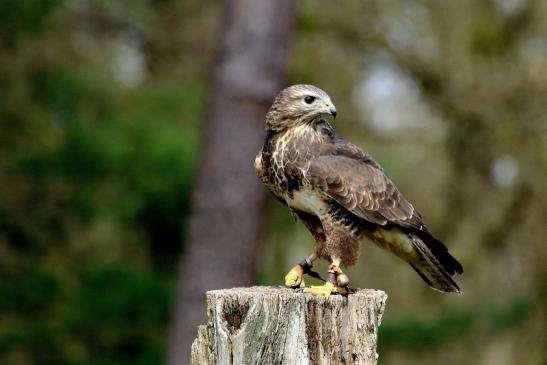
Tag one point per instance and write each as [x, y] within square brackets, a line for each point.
[297, 105]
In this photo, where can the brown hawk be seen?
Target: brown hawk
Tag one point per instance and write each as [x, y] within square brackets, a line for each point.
[341, 194]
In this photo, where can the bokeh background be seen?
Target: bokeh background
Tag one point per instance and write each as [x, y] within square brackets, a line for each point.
[113, 113]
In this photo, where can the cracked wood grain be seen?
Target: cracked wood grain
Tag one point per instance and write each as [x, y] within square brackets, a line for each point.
[275, 325]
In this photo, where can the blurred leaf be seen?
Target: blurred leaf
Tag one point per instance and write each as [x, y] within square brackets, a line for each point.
[22, 17]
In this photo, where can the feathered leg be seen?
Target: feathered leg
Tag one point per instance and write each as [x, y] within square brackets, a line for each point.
[294, 278]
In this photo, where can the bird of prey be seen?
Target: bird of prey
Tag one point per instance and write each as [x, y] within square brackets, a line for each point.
[341, 194]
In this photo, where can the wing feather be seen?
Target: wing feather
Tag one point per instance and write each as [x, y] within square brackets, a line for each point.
[355, 181]
[362, 188]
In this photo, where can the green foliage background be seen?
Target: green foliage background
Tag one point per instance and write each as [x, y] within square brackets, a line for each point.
[95, 181]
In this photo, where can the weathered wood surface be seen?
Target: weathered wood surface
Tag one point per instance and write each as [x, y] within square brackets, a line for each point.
[275, 325]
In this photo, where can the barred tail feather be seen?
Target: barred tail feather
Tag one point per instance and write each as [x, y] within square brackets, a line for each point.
[440, 252]
[430, 268]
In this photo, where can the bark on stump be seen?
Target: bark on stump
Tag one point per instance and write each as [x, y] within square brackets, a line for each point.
[275, 325]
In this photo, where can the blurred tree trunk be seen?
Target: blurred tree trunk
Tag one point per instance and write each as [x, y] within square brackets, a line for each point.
[228, 202]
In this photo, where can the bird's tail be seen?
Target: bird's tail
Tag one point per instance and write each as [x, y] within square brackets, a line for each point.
[434, 265]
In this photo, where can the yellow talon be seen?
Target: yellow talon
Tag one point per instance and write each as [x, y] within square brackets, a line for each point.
[341, 290]
[293, 279]
[325, 290]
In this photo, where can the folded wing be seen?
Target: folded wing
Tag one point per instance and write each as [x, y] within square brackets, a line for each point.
[355, 181]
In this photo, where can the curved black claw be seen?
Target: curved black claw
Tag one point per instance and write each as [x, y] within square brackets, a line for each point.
[350, 290]
[307, 265]
[315, 274]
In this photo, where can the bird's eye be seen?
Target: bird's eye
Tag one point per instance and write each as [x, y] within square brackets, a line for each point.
[309, 99]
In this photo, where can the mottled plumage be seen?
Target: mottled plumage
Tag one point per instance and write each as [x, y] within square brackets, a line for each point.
[340, 193]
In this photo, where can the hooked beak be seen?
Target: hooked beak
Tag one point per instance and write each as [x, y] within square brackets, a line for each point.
[328, 109]
[332, 111]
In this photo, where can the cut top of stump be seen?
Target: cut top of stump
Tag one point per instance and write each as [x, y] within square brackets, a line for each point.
[276, 325]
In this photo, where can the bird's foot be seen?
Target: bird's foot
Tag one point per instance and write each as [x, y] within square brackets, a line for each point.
[327, 289]
[337, 276]
[294, 278]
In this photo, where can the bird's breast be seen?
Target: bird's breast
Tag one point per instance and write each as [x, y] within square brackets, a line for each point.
[281, 166]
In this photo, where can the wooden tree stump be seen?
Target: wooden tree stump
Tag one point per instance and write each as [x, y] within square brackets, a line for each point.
[275, 325]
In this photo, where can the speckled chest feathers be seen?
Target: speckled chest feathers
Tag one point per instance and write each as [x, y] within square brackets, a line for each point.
[282, 166]
[285, 157]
